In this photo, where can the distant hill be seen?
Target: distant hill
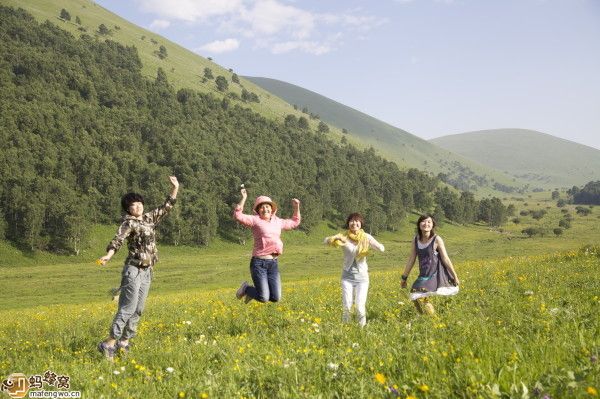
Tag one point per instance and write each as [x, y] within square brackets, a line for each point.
[393, 143]
[543, 160]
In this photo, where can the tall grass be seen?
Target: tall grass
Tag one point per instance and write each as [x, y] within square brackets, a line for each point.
[520, 327]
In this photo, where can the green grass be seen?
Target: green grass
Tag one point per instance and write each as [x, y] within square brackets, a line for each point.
[525, 321]
[517, 324]
[49, 278]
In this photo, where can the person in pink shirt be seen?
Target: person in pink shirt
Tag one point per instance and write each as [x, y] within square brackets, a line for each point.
[266, 228]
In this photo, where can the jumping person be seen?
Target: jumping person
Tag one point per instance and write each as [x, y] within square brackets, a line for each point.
[266, 228]
[138, 228]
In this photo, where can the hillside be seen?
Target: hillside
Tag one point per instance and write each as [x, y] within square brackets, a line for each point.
[541, 159]
[393, 143]
[184, 68]
[81, 125]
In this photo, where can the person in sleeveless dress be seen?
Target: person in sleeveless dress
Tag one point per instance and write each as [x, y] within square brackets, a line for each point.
[436, 272]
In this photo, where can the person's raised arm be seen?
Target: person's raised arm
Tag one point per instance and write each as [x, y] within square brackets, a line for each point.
[238, 212]
[174, 186]
[441, 248]
[289, 224]
[243, 200]
[162, 210]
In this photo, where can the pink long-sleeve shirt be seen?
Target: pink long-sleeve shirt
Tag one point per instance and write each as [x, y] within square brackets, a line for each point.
[267, 233]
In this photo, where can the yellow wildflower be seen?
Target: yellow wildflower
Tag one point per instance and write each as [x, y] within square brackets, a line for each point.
[592, 391]
[380, 378]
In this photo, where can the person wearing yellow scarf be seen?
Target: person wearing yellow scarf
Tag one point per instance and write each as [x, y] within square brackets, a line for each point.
[359, 237]
[355, 244]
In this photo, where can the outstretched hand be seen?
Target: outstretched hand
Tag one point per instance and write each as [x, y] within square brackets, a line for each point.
[244, 193]
[174, 181]
[102, 261]
[295, 202]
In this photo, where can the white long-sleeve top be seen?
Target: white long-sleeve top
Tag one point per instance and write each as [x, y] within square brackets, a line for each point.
[350, 251]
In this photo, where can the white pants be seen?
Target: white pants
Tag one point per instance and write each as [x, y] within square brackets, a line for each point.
[353, 292]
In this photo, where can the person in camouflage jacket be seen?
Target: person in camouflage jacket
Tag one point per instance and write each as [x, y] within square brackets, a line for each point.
[138, 228]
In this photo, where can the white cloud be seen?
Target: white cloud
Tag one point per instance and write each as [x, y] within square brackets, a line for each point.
[190, 10]
[279, 25]
[220, 46]
[269, 17]
[305, 46]
[158, 24]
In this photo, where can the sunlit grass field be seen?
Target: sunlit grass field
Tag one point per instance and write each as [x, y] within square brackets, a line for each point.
[525, 324]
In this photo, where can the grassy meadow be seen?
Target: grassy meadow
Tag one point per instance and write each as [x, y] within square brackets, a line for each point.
[525, 324]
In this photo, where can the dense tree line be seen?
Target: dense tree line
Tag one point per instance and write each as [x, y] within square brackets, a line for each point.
[588, 195]
[81, 126]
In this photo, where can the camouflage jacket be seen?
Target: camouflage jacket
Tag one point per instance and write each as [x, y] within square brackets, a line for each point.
[141, 236]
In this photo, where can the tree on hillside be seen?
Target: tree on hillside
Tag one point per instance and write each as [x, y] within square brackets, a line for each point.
[77, 20]
[235, 78]
[323, 127]
[221, 83]
[208, 73]
[103, 30]
[64, 14]
[303, 123]
[291, 120]
[162, 52]
[589, 194]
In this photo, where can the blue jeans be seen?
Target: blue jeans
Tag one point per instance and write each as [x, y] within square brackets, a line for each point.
[266, 279]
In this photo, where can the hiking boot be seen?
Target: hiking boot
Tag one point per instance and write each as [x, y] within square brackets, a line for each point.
[121, 347]
[239, 294]
[107, 351]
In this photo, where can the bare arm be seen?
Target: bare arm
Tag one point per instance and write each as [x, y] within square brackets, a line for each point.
[174, 186]
[409, 265]
[244, 197]
[441, 248]
[289, 224]
[238, 212]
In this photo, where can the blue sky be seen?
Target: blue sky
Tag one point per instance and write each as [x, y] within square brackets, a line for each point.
[431, 67]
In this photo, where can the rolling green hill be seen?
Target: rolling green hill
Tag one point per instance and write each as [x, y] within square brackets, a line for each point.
[185, 69]
[541, 159]
[393, 143]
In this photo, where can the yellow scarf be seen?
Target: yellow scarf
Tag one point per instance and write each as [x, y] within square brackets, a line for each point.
[360, 237]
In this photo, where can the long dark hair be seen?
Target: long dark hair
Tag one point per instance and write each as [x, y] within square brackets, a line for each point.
[421, 218]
